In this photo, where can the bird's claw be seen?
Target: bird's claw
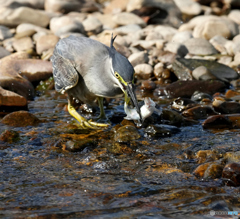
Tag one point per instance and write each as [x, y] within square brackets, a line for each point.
[92, 125]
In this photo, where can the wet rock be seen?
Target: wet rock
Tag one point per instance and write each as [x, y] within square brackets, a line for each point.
[20, 119]
[217, 122]
[11, 99]
[23, 44]
[9, 136]
[126, 133]
[66, 24]
[126, 18]
[119, 148]
[232, 94]
[198, 96]
[138, 58]
[225, 107]
[200, 170]
[198, 46]
[92, 25]
[171, 117]
[35, 141]
[161, 130]
[65, 6]
[147, 85]
[231, 174]
[45, 43]
[232, 157]
[5, 33]
[187, 88]
[181, 104]
[214, 170]
[158, 69]
[79, 145]
[12, 17]
[199, 112]
[183, 69]
[206, 156]
[143, 71]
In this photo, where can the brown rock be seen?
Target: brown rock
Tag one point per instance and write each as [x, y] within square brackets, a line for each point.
[200, 170]
[9, 98]
[9, 136]
[20, 119]
[126, 133]
[187, 88]
[231, 174]
[199, 112]
[10, 79]
[217, 121]
[213, 171]
[206, 155]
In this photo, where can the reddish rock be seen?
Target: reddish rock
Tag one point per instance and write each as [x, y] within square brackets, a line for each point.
[231, 174]
[20, 119]
[9, 98]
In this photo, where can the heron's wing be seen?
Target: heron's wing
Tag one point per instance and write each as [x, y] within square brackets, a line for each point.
[64, 73]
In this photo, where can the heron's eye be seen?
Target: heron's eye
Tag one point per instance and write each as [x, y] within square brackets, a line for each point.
[117, 75]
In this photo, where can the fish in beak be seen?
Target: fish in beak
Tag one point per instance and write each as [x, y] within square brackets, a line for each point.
[131, 94]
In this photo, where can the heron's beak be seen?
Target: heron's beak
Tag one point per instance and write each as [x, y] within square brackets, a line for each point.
[130, 91]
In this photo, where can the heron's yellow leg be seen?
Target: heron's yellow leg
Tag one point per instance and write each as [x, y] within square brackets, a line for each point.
[83, 122]
[102, 112]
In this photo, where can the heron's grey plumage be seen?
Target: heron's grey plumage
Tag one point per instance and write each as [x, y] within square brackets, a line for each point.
[82, 66]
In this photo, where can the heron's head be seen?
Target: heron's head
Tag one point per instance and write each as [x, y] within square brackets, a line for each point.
[123, 73]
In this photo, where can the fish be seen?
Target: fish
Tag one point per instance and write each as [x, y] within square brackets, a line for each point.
[146, 110]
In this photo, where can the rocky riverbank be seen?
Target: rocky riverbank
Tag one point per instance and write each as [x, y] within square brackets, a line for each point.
[186, 161]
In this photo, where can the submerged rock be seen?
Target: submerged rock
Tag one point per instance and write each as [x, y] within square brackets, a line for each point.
[126, 133]
[20, 119]
[9, 136]
[161, 130]
[231, 174]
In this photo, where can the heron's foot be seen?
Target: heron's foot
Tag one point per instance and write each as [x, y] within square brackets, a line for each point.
[83, 122]
[89, 124]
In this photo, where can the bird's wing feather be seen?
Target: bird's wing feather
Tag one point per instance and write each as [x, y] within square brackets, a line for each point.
[64, 73]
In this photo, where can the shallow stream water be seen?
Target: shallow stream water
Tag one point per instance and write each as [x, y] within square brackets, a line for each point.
[145, 178]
